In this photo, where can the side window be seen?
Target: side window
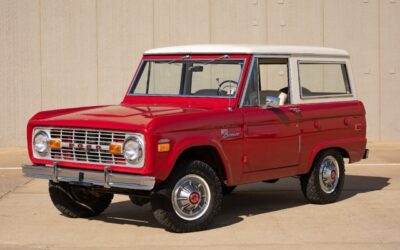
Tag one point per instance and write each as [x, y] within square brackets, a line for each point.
[251, 94]
[323, 79]
[273, 79]
[268, 77]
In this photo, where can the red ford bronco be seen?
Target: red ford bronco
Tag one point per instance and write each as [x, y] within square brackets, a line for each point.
[196, 122]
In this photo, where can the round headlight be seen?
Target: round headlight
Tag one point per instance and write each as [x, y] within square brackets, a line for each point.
[41, 142]
[133, 150]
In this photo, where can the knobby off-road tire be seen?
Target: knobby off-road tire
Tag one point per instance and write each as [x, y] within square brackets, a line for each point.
[227, 189]
[189, 199]
[78, 201]
[324, 183]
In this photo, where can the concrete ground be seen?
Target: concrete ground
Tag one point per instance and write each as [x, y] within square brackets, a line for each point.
[257, 216]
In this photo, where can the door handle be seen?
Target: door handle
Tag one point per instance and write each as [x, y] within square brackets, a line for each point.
[295, 110]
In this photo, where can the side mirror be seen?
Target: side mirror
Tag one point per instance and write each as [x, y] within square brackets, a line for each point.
[196, 68]
[271, 102]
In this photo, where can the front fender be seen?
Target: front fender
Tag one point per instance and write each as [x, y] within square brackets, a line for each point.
[177, 148]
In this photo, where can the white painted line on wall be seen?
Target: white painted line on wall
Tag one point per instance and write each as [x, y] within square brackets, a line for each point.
[16, 168]
[12, 150]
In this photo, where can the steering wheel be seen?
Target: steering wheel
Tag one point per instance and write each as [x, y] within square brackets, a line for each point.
[227, 84]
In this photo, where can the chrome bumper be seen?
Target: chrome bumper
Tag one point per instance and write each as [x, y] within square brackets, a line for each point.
[366, 154]
[87, 177]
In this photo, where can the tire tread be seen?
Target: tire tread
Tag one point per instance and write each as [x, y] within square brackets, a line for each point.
[62, 199]
[310, 181]
[161, 204]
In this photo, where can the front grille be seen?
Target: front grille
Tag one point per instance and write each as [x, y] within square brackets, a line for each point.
[87, 146]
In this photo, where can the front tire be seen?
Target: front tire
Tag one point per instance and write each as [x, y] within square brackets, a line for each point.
[139, 200]
[189, 199]
[77, 201]
[227, 189]
[324, 183]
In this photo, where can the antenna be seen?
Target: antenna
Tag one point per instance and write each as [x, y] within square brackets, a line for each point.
[229, 96]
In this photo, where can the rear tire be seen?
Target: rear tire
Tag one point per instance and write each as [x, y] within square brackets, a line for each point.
[77, 201]
[324, 183]
[189, 199]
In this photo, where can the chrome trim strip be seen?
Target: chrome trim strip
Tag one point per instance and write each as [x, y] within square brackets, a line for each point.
[106, 179]
[55, 172]
[366, 154]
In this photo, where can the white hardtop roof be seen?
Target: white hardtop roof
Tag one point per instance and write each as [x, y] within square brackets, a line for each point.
[246, 49]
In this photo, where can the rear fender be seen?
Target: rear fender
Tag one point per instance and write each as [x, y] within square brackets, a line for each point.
[352, 148]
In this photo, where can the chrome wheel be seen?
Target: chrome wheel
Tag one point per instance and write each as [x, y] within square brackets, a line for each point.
[329, 174]
[191, 197]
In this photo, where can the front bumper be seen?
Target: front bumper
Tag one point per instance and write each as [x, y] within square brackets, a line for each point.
[87, 177]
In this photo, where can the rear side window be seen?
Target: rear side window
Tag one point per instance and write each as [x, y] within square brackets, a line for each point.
[320, 79]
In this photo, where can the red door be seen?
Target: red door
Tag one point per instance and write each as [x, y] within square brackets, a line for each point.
[271, 137]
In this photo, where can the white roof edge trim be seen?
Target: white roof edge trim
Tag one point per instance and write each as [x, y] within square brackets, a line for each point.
[247, 49]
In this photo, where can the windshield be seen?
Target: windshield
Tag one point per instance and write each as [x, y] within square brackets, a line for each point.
[210, 78]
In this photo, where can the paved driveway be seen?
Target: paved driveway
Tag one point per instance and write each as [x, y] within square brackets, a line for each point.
[257, 216]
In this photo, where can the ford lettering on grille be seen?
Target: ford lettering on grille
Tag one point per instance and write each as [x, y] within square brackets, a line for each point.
[87, 146]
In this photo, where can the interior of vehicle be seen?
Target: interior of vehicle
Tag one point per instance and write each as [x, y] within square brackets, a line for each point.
[213, 77]
[268, 77]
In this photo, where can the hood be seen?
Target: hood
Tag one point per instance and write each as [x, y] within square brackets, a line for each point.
[123, 117]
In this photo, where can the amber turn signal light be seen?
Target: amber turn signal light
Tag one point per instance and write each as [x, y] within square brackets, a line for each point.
[115, 148]
[164, 145]
[55, 143]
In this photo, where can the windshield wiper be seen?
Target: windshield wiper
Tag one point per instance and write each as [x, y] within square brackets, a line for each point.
[219, 58]
[182, 58]
[206, 62]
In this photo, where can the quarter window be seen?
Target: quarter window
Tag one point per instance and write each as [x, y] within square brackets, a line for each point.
[323, 79]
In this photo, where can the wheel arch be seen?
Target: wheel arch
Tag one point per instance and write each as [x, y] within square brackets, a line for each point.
[317, 151]
[206, 153]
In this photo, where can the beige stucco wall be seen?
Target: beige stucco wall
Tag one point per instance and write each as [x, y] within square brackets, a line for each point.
[56, 53]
